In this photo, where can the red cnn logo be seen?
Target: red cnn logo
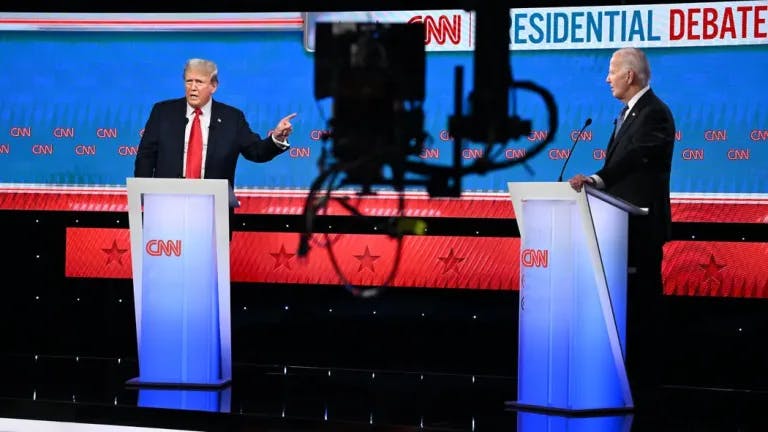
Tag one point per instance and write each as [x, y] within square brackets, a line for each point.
[106, 133]
[20, 132]
[716, 135]
[441, 29]
[534, 257]
[163, 247]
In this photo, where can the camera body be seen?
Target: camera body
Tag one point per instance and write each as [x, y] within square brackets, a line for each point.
[375, 74]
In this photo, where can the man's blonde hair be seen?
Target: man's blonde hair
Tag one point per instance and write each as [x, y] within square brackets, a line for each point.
[202, 65]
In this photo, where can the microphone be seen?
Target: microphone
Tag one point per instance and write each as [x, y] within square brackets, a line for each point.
[586, 123]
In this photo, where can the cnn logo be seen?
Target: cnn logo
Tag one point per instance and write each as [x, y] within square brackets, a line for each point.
[440, 30]
[163, 247]
[534, 257]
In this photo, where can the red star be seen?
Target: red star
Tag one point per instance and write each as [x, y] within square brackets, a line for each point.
[712, 269]
[282, 258]
[451, 262]
[115, 253]
[366, 260]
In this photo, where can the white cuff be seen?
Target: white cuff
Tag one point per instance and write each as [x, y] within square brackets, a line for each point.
[282, 144]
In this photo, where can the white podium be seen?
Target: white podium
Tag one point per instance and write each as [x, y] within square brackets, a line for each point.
[180, 259]
[573, 283]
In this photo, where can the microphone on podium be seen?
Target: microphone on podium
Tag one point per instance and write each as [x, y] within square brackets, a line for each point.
[570, 153]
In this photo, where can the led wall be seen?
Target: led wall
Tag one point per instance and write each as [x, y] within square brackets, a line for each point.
[78, 89]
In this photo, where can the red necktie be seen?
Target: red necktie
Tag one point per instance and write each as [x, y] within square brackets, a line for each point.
[195, 148]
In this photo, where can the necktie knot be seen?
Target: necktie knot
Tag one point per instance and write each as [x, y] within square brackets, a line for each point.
[198, 112]
[623, 112]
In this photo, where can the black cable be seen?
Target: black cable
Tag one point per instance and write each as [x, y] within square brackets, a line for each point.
[370, 291]
[483, 165]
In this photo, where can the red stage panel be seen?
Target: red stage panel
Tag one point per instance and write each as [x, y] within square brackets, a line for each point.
[685, 208]
[690, 268]
[98, 252]
[720, 269]
[365, 260]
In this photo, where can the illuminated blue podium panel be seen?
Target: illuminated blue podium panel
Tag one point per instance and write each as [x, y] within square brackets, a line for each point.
[573, 280]
[213, 400]
[180, 256]
[537, 422]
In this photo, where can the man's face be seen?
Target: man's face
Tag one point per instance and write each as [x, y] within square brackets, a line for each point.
[619, 78]
[198, 88]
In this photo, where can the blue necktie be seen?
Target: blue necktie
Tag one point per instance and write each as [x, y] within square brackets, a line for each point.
[620, 120]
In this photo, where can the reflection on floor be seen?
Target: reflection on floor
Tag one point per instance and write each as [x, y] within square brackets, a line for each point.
[290, 398]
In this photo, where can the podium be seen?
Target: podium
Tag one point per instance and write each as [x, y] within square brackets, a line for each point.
[573, 298]
[180, 259]
[212, 400]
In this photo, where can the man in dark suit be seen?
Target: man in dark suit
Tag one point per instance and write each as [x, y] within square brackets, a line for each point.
[163, 149]
[637, 168]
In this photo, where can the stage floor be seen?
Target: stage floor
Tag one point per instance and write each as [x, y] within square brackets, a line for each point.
[299, 398]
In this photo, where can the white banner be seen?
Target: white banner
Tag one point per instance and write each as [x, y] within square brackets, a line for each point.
[644, 26]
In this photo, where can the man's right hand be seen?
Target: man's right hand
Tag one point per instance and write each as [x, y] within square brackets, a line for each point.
[579, 180]
[283, 128]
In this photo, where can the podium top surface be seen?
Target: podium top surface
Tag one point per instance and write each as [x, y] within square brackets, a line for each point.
[174, 185]
[563, 191]
[616, 201]
[150, 185]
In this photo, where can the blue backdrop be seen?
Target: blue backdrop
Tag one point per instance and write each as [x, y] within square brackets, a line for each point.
[77, 85]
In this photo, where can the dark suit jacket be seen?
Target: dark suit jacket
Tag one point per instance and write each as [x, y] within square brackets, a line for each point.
[639, 159]
[161, 149]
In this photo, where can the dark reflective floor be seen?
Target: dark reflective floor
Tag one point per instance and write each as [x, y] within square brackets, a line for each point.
[293, 398]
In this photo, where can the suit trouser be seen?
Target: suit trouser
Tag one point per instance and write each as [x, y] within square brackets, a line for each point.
[231, 222]
[645, 315]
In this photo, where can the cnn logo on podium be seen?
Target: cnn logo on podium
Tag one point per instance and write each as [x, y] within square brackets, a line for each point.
[163, 248]
[534, 258]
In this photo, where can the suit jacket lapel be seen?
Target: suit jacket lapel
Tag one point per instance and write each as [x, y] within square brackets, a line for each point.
[611, 147]
[611, 141]
[627, 122]
[615, 141]
[212, 134]
[178, 126]
[631, 116]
